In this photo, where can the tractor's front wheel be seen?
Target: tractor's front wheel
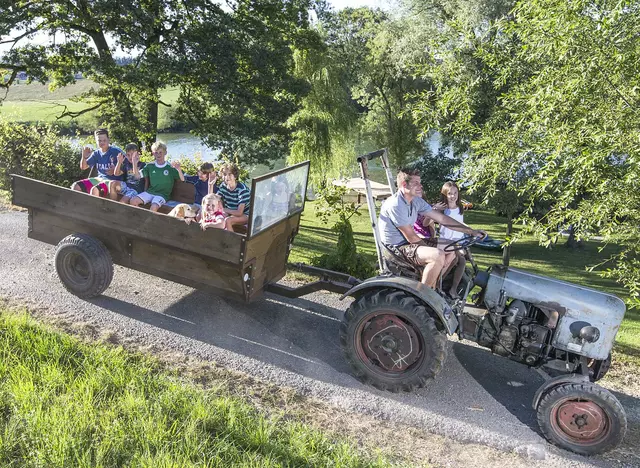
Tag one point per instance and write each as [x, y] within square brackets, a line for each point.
[391, 341]
[582, 417]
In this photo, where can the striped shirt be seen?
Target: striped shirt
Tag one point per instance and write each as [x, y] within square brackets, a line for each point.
[233, 198]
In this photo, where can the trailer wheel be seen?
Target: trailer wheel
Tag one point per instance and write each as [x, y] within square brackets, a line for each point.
[84, 265]
[582, 417]
[391, 342]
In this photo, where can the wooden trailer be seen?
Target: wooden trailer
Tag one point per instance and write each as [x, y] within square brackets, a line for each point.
[93, 233]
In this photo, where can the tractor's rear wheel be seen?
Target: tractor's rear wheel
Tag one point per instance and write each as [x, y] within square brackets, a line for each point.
[84, 265]
[391, 341]
[582, 417]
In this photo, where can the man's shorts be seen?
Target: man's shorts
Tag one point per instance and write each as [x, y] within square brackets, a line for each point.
[146, 197]
[87, 184]
[410, 251]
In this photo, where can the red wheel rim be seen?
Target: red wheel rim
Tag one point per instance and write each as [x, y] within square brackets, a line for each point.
[580, 421]
[387, 343]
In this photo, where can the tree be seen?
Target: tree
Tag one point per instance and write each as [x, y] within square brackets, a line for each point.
[324, 126]
[233, 66]
[568, 113]
[361, 90]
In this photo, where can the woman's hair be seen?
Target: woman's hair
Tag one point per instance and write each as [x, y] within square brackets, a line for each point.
[446, 188]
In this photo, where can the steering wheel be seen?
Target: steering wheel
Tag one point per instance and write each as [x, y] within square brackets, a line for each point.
[462, 243]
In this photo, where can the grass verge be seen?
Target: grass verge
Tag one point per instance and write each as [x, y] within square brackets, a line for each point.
[316, 238]
[66, 403]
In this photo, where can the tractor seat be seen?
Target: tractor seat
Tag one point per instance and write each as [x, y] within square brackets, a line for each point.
[398, 265]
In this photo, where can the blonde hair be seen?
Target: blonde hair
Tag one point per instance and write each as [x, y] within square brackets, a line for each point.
[159, 145]
[211, 197]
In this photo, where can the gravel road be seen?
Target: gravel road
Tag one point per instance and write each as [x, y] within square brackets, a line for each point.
[478, 397]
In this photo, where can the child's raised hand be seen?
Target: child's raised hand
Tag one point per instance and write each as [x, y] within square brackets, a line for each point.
[135, 158]
[213, 176]
[86, 152]
[440, 206]
[120, 158]
[175, 165]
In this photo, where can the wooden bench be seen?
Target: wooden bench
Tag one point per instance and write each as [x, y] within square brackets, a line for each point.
[185, 192]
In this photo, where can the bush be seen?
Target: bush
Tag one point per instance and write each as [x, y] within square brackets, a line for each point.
[38, 152]
[345, 258]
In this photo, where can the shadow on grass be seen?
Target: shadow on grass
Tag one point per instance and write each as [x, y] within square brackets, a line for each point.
[628, 349]
[308, 227]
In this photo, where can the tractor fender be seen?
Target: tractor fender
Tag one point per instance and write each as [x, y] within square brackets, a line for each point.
[554, 382]
[420, 291]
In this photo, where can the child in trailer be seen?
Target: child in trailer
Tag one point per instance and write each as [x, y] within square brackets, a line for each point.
[212, 214]
[134, 182]
[107, 159]
[451, 206]
[235, 196]
[160, 177]
[204, 181]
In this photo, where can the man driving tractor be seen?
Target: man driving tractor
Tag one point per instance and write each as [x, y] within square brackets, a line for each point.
[397, 217]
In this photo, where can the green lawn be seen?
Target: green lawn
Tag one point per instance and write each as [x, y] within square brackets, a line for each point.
[559, 262]
[65, 403]
[35, 103]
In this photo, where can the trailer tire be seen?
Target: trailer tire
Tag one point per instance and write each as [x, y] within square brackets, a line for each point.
[582, 417]
[84, 265]
[391, 341]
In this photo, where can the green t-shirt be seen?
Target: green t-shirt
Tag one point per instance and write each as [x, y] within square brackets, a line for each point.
[161, 179]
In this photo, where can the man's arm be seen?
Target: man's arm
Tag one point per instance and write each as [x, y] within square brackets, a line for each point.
[410, 234]
[451, 223]
[86, 152]
[118, 169]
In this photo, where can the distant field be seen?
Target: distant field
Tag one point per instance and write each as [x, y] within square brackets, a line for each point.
[35, 102]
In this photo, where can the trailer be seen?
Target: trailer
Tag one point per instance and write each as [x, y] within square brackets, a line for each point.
[92, 234]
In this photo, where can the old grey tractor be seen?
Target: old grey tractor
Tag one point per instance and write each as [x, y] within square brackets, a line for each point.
[394, 336]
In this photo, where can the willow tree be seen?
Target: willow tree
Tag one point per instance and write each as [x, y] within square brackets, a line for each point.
[324, 126]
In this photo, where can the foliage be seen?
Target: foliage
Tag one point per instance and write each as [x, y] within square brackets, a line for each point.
[324, 126]
[236, 87]
[361, 89]
[38, 152]
[344, 257]
[563, 128]
[65, 403]
[462, 91]
[434, 171]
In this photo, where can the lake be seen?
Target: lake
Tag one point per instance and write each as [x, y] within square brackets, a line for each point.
[190, 146]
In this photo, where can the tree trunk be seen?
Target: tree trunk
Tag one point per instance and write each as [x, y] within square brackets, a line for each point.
[506, 252]
[572, 243]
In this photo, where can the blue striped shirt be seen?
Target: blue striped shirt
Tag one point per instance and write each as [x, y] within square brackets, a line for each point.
[233, 199]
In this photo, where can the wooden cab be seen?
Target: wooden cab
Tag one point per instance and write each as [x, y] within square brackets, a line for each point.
[232, 264]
